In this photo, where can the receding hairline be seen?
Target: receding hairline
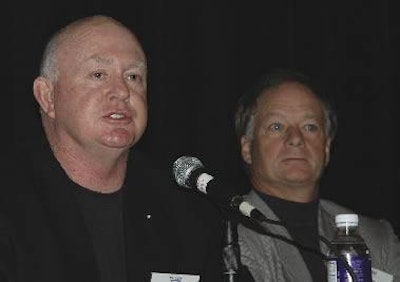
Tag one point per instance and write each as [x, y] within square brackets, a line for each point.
[92, 21]
[73, 30]
[267, 92]
[244, 116]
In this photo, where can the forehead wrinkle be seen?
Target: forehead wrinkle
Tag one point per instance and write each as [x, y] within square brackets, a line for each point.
[277, 114]
[266, 107]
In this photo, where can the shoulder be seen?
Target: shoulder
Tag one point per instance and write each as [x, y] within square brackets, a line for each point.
[371, 228]
[334, 208]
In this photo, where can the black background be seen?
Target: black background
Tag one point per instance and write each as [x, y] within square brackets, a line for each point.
[203, 54]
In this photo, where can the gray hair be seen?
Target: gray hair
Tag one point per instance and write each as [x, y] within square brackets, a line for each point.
[48, 66]
[247, 103]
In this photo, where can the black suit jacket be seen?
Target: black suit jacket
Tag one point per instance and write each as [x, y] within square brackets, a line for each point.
[43, 236]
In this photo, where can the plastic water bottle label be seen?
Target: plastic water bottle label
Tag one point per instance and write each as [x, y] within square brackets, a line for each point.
[332, 271]
[361, 267]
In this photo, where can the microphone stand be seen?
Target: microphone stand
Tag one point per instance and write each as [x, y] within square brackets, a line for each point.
[231, 252]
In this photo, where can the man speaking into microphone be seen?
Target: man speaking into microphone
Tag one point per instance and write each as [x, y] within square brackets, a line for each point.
[85, 204]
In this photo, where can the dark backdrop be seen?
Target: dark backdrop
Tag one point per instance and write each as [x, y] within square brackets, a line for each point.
[204, 54]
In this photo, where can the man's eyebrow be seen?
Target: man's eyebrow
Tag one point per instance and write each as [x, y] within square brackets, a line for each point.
[270, 114]
[100, 60]
[139, 64]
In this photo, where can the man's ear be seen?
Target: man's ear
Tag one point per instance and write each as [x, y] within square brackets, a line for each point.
[245, 145]
[43, 90]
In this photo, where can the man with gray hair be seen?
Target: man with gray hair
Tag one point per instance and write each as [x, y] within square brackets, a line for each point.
[285, 127]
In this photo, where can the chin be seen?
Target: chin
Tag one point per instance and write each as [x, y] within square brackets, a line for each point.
[299, 176]
[120, 138]
[119, 143]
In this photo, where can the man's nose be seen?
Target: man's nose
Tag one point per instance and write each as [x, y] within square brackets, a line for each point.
[119, 89]
[295, 137]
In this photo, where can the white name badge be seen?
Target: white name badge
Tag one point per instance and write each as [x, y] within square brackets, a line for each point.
[381, 276]
[173, 277]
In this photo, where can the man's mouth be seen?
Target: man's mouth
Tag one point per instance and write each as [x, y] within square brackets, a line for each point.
[117, 116]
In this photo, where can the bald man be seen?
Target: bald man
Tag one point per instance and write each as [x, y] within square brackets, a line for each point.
[88, 206]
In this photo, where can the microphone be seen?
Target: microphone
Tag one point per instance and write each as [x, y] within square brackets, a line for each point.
[189, 172]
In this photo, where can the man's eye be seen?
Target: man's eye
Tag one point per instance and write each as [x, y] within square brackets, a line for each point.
[311, 127]
[134, 77]
[98, 75]
[275, 127]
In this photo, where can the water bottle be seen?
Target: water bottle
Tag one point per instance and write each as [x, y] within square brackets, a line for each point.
[348, 258]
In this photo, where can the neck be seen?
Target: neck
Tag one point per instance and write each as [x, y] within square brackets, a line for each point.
[98, 169]
[294, 193]
[93, 173]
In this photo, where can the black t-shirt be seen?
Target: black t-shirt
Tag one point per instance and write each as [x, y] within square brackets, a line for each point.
[103, 217]
[301, 221]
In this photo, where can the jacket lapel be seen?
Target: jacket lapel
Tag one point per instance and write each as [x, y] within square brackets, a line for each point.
[148, 243]
[292, 261]
[55, 191]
